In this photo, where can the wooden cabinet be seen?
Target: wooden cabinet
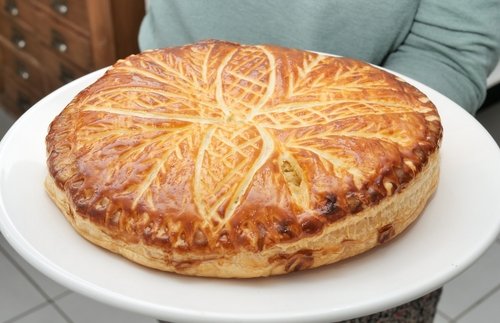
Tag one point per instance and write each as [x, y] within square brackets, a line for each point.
[47, 43]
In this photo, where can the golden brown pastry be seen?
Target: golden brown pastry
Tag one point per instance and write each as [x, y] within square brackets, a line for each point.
[218, 159]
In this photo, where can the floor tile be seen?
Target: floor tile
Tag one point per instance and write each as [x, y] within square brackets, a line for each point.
[46, 314]
[487, 311]
[482, 277]
[16, 293]
[3, 242]
[82, 309]
[48, 286]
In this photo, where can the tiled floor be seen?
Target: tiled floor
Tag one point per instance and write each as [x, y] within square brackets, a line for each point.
[27, 296]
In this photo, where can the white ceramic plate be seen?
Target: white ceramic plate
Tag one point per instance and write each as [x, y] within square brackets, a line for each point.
[460, 222]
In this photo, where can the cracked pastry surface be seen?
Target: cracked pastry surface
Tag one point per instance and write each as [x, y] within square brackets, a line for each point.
[220, 159]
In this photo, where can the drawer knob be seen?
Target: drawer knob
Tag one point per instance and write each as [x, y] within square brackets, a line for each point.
[22, 71]
[24, 74]
[58, 42]
[60, 6]
[19, 42]
[11, 8]
[14, 11]
[61, 47]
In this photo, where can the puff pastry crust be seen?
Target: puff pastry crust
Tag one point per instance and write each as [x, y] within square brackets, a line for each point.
[226, 160]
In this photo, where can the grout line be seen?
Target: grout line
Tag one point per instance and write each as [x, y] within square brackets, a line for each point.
[62, 295]
[476, 303]
[36, 286]
[27, 312]
[41, 306]
[24, 273]
[445, 316]
[30, 280]
[58, 309]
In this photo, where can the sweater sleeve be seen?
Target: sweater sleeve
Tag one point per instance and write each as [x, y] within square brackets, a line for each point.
[452, 47]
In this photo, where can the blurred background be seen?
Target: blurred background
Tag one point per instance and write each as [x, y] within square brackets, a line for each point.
[47, 43]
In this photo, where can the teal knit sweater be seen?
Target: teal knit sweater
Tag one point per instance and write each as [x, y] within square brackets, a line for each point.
[449, 45]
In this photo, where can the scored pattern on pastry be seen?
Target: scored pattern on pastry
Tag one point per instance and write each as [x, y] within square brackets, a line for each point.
[199, 131]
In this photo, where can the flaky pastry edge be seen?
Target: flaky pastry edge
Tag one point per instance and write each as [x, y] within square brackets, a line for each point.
[345, 238]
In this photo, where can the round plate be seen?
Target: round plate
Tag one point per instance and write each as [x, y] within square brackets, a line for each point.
[458, 225]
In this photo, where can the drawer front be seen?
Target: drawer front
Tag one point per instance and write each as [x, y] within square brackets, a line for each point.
[19, 36]
[24, 70]
[63, 41]
[72, 12]
[17, 98]
[2, 69]
[59, 71]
